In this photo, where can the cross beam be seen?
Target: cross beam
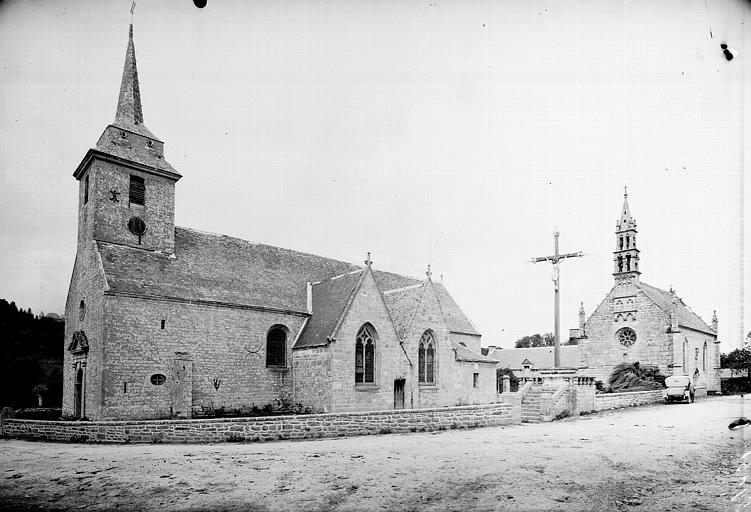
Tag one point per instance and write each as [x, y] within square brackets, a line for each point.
[555, 259]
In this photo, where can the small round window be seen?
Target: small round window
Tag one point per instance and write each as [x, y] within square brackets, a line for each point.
[150, 143]
[158, 379]
[82, 310]
[626, 336]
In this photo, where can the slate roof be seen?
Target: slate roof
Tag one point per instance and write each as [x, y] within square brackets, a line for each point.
[224, 269]
[219, 268]
[540, 357]
[330, 299]
[402, 304]
[456, 320]
[465, 354]
[682, 314]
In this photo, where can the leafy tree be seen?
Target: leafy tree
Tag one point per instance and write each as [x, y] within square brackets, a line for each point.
[513, 381]
[739, 361]
[536, 340]
[32, 354]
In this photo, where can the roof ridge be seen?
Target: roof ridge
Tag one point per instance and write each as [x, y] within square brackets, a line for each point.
[404, 288]
[265, 245]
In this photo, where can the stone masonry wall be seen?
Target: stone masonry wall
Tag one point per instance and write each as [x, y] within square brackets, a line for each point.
[264, 429]
[227, 347]
[312, 382]
[607, 401]
[87, 285]
[601, 352]
[110, 218]
[390, 361]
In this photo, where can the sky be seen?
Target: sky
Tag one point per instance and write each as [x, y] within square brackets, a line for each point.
[451, 133]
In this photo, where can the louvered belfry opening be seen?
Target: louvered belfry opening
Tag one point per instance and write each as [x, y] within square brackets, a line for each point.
[137, 190]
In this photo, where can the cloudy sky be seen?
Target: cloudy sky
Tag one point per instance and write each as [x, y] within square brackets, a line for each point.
[452, 133]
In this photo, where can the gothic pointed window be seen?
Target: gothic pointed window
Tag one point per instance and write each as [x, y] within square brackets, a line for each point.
[430, 364]
[621, 245]
[628, 262]
[628, 241]
[365, 355]
[426, 359]
[704, 357]
[421, 363]
[620, 263]
[276, 346]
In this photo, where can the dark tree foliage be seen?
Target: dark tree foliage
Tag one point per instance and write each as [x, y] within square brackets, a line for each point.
[635, 377]
[513, 381]
[739, 360]
[536, 340]
[32, 357]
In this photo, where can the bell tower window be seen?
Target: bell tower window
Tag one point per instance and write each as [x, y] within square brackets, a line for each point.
[86, 190]
[137, 190]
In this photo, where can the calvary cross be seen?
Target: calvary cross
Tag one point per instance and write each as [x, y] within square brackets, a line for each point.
[555, 259]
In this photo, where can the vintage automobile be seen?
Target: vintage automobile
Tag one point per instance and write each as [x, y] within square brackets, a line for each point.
[679, 387]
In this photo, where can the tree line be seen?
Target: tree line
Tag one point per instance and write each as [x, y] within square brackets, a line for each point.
[31, 366]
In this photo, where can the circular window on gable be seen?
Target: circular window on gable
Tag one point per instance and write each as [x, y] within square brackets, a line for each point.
[82, 310]
[158, 379]
[626, 336]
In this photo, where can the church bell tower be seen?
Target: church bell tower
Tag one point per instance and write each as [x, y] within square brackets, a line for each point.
[626, 255]
[126, 187]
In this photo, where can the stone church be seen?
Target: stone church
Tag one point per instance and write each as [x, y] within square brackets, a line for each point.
[634, 322]
[640, 322]
[164, 321]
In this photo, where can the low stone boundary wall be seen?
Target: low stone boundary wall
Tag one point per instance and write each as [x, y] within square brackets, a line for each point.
[605, 401]
[269, 428]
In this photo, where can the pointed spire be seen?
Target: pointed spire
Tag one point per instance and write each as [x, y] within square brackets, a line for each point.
[129, 111]
[625, 211]
[368, 261]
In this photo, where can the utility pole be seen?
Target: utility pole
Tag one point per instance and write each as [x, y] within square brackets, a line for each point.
[555, 260]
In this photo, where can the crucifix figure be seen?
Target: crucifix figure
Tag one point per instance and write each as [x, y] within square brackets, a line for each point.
[555, 260]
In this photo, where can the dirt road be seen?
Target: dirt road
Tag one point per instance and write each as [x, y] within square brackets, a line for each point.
[662, 457]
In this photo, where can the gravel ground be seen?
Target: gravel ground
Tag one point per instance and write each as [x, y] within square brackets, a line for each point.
[661, 457]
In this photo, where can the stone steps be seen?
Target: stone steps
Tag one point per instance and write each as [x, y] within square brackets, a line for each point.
[531, 406]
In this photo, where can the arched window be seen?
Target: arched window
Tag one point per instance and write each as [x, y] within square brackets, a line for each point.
[620, 263]
[628, 241]
[704, 358]
[426, 359]
[421, 363]
[621, 242]
[276, 346]
[365, 355]
[628, 262]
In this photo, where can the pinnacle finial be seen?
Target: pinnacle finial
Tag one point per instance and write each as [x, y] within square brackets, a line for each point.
[428, 272]
[368, 261]
[625, 190]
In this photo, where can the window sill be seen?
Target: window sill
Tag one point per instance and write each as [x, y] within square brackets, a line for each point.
[428, 385]
[282, 369]
[366, 387]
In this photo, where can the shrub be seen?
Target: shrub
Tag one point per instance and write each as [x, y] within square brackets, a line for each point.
[634, 377]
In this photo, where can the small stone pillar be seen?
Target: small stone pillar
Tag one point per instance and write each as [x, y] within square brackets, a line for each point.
[505, 384]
